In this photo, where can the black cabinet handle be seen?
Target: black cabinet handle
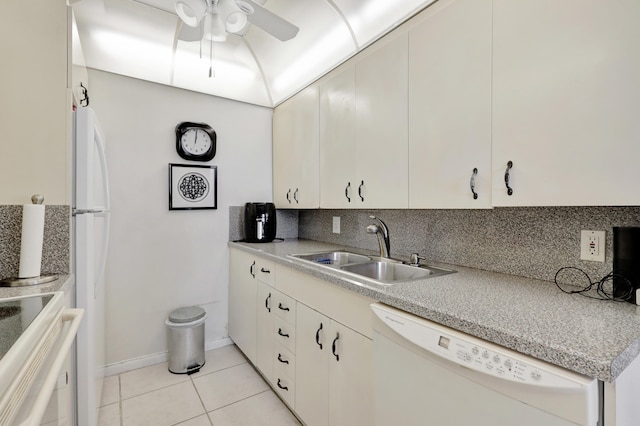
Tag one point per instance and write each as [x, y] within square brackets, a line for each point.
[506, 177]
[253, 265]
[289, 195]
[280, 332]
[266, 271]
[295, 195]
[282, 387]
[333, 347]
[284, 361]
[346, 192]
[267, 302]
[318, 336]
[360, 190]
[472, 183]
[282, 308]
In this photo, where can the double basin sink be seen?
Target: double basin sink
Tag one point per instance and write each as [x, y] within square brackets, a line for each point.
[385, 271]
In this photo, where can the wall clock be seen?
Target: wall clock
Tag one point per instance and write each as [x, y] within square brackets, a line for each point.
[195, 141]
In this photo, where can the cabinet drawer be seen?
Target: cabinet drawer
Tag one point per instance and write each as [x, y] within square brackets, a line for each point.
[265, 271]
[284, 361]
[285, 386]
[284, 307]
[284, 334]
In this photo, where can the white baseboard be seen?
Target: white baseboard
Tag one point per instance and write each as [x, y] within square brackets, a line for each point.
[157, 358]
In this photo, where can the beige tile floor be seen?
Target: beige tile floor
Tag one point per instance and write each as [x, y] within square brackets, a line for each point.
[226, 391]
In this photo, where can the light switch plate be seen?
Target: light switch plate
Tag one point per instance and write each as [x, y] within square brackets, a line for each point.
[592, 245]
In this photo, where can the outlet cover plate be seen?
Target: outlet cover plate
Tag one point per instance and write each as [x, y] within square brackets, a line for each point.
[336, 224]
[592, 245]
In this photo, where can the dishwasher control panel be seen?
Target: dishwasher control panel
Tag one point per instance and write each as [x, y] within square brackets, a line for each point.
[477, 354]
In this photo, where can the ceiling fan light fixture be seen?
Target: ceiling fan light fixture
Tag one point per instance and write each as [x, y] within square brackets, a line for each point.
[234, 19]
[191, 11]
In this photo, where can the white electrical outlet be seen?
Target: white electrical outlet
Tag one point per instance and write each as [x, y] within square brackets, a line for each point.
[592, 245]
[336, 224]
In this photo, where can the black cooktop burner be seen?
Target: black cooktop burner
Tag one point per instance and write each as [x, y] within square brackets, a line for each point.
[15, 317]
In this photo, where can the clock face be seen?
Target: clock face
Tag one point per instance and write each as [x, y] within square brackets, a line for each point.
[195, 141]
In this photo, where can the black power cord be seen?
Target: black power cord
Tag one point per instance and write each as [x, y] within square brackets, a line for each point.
[600, 286]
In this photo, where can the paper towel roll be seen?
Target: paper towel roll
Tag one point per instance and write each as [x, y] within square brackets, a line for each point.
[32, 238]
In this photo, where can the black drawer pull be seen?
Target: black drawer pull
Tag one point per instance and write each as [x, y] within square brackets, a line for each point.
[282, 307]
[282, 387]
[284, 361]
[267, 302]
[251, 269]
[333, 347]
[472, 184]
[280, 332]
[318, 336]
[266, 271]
[346, 192]
[507, 177]
[360, 191]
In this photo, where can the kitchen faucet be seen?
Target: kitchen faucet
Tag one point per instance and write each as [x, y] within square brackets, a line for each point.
[382, 232]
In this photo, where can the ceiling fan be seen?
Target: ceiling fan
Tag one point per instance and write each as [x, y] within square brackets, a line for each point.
[214, 19]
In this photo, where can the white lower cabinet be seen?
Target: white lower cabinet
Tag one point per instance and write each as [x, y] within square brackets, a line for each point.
[300, 333]
[333, 372]
[245, 273]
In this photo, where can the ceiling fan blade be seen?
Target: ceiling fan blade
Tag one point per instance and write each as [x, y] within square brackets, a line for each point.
[188, 33]
[278, 27]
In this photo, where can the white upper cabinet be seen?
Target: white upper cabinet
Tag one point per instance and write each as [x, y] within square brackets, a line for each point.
[363, 130]
[338, 150]
[381, 125]
[450, 106]
[566, 97]
[295, 151]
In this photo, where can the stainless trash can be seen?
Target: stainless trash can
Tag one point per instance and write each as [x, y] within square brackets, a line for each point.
[185, 327]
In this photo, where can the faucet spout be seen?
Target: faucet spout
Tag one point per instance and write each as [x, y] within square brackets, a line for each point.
[382, 232]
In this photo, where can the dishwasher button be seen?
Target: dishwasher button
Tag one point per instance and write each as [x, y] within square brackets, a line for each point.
[496, 359]
[475, 350]
[485, 355]
[536, 376]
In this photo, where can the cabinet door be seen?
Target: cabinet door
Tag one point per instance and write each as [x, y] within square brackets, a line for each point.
[350, 377]
[450, 106]
[565, 102]
[243, 295]
[296, 151]
[381, 124]
[264, 331]
[312, 369]
[338, 152]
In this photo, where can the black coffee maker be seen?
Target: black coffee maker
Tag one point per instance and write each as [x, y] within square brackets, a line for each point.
[626, 262]
[259, 222]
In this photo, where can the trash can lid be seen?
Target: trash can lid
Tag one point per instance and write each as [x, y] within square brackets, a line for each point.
[188, 314]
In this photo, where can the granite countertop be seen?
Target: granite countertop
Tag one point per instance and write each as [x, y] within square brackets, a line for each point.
[592, 337]
[63, 283]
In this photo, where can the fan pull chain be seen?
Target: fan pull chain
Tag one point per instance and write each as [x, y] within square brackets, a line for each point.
[211, 72]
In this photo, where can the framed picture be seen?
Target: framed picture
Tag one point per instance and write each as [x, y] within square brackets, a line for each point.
[192, 187]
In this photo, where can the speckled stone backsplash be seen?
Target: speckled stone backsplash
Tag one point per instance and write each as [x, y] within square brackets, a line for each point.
[56, 251]
[529, 242]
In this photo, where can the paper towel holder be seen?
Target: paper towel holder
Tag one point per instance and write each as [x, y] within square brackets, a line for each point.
[42, 279]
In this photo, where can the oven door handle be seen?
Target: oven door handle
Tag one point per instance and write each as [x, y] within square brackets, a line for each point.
[49, 383]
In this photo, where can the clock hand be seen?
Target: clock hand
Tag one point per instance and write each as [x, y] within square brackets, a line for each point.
[195, 141]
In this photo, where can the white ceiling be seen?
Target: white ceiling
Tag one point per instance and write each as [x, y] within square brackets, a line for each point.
[137, 38]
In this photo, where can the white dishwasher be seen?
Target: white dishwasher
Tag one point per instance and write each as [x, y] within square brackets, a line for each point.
[428, 374]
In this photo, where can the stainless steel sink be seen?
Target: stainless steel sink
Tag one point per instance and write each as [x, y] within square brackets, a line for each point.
[393, 272]
[333, 258]
[382, 270]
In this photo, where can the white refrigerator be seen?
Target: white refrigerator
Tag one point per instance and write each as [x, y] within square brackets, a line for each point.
[90, 244]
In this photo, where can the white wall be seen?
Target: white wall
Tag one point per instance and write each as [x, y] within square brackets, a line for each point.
[160, 260]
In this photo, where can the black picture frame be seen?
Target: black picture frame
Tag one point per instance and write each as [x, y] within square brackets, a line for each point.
[193, 187]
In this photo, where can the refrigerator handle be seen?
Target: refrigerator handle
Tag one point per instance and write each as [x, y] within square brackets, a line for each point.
[103, 167]
[103, 256]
